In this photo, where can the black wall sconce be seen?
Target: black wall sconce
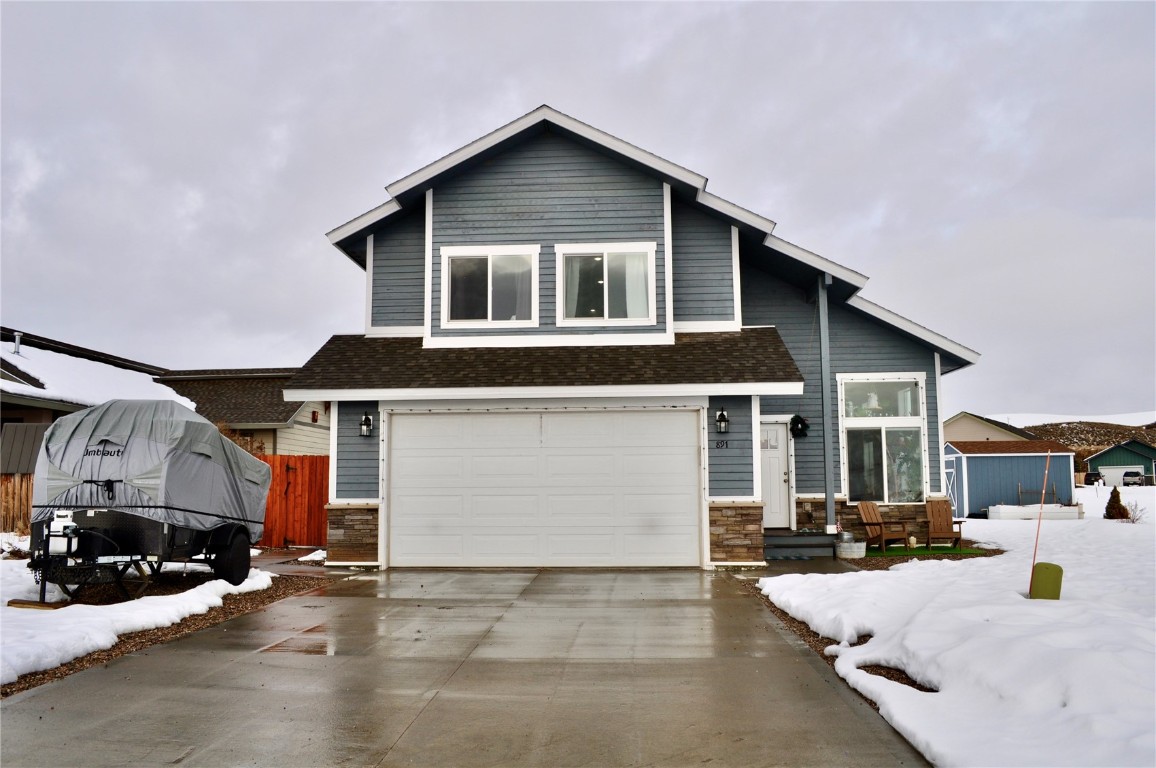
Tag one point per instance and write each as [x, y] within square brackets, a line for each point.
[722, 422]
[367, 425]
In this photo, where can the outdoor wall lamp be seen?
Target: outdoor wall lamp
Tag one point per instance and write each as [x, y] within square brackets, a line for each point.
[722, 422]
[367, 425]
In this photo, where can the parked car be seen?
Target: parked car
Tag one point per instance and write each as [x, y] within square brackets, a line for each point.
[1092, 478]
[1132, 477]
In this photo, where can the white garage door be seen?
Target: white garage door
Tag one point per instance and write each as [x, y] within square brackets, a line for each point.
[602, 488]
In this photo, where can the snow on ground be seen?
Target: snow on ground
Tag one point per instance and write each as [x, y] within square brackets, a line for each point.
[317, 556]
[1022, 420]
[85, 382]
[1018, 681]
[32, 640]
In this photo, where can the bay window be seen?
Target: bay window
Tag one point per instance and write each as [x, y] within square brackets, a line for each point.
[884, 437]
[490, 285]
[606, 283]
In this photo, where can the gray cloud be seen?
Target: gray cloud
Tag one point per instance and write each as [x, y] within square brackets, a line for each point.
[169, 170]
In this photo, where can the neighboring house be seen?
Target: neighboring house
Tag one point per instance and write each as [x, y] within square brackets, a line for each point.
[971, 427]
[574, 355]
[250, 402]
[981, 473]
[1113, 462]
[42, 379]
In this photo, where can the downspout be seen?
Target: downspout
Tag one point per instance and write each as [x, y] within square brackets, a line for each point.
[829, 423]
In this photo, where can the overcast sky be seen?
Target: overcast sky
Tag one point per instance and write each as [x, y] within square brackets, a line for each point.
[170, 170]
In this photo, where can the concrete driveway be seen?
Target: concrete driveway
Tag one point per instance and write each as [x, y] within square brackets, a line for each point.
[468, 668]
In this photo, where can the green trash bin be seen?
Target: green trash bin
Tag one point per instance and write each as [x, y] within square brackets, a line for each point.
[1046, 580]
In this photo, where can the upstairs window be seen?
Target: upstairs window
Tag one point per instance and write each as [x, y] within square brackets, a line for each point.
[884, 437]
[605, 283]
[489, 285]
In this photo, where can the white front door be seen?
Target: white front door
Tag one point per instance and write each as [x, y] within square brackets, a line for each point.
[776, 479]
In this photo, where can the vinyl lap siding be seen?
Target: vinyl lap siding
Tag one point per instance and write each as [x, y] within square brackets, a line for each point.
[304, 437]
[731, 469]
[548, 190]
[702, 266]
[358, 463]
[399, 272]
[858, 345]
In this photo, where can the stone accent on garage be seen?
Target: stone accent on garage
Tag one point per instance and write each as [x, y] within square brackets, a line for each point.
[352, 534]
[736, 532]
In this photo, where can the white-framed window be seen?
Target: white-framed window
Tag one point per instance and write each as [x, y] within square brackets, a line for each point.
[606, 283]
[489, 285]
[883, 430]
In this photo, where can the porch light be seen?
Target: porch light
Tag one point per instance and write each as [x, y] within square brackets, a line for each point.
[722, 422]
[367, 425]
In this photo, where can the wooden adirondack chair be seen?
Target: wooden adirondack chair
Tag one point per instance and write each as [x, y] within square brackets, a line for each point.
[879, 532]
[940, 524]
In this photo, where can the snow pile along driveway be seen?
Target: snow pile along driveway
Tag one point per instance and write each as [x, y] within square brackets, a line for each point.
[33, 640]
[1018, 681]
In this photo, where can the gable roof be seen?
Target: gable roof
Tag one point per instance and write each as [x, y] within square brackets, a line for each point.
[243, 398]
[750, 361]
[349, 237]
[845, 283]
[997, 424]
[975, 447]
[1138, 447]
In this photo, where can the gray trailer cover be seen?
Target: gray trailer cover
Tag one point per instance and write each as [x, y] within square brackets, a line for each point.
[152, 458]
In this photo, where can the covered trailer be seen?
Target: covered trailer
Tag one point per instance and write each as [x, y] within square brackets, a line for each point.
[136, 483]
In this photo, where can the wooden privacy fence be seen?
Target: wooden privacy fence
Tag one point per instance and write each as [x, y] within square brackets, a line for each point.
[299, 490]
[294, 515]
[16, 503]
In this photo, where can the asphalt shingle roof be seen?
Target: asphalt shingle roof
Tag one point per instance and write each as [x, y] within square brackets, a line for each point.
[753, 355]
[236, 396]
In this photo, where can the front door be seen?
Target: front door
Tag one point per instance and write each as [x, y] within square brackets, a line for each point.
[776, 482]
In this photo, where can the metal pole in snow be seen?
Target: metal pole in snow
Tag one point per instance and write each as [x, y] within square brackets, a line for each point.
[1040, 520]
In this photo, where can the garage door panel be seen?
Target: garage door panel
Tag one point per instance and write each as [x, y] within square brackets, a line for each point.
[573, 488]
[418, 507]
[505, 545]
[506, 509]
[578, 544]
[592, 509]
[588, 467]
[421, 469]
[524, 466]
[665, 507]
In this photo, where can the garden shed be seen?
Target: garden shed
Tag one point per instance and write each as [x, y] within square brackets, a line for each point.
[981, 473]
[1113, 462]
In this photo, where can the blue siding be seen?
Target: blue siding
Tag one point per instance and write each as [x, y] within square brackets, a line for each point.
[858, 345]
[358, 463]
[399, 272]
[702, 266]
[731, 469]
[996, 480]
[545, 191]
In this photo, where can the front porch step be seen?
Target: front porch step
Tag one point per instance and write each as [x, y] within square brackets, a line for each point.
[794, 545]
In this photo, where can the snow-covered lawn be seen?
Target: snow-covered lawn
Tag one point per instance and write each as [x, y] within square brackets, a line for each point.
[1018, 681]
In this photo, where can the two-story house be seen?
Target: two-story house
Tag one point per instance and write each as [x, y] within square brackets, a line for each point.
[575, 355]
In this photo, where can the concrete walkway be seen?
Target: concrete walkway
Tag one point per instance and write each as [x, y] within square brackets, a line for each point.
[468, 668]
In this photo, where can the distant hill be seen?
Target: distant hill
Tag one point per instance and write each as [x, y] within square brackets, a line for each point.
[1090, 437]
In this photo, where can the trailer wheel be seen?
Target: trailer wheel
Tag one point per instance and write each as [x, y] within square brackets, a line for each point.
[232, 564]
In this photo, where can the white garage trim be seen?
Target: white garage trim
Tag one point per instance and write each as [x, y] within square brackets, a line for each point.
[547, 487]
[766, 388]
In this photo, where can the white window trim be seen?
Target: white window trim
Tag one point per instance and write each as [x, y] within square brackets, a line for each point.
[883, 423]
[561, 250]
[489, 251]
